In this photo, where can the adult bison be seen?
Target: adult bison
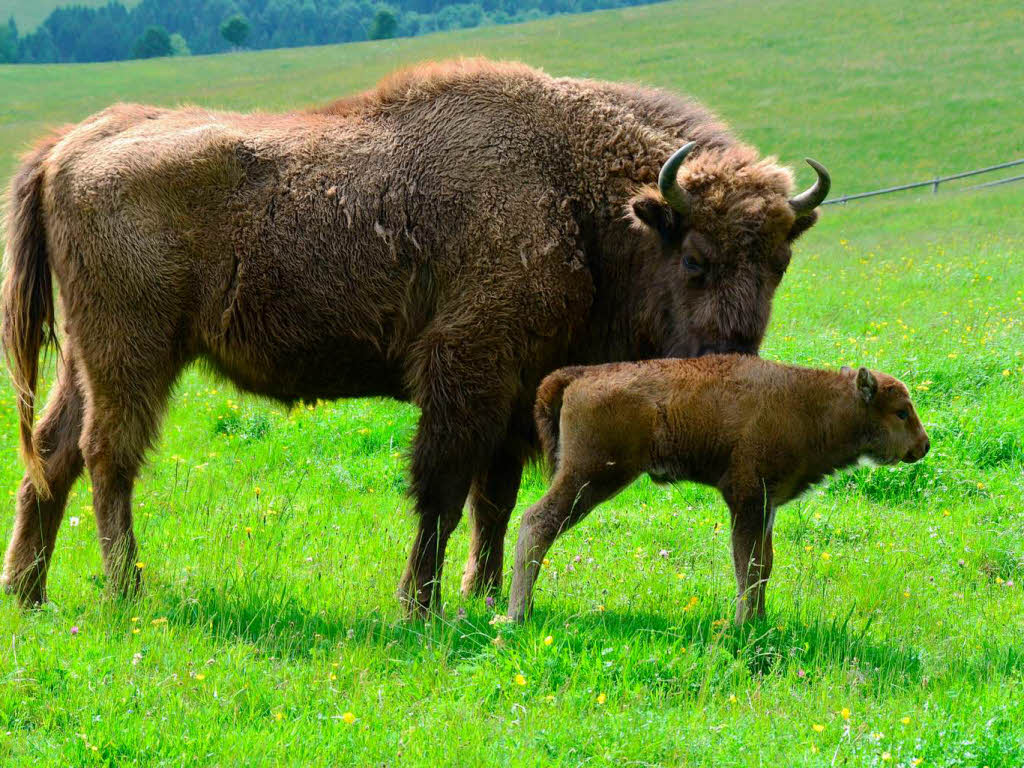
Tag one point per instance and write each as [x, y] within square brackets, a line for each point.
[447, 238]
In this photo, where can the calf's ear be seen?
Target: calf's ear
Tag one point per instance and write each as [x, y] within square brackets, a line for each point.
[649, 209]
[866, 384]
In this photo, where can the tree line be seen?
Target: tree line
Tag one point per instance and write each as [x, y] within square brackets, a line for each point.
[181, 27]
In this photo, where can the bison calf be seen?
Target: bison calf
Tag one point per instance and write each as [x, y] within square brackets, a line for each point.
[758, 431]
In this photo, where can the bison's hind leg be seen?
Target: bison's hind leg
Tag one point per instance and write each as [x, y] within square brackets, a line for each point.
[37, 519]
[574, 492]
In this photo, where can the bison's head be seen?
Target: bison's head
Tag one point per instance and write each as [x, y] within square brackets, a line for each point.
[725, 223]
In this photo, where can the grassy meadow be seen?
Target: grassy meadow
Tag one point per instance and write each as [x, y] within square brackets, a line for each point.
[272, 541]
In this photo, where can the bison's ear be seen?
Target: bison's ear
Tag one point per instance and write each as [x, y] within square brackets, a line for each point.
[802, 224]
[649, 209]
[866, 384]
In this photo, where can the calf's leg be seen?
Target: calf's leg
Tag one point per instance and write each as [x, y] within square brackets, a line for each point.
[571, 497]
[37, 519]
[752, 556]
[492, 498]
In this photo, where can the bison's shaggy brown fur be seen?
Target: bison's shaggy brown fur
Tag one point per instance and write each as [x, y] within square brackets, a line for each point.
[447, 238]
[759, 432]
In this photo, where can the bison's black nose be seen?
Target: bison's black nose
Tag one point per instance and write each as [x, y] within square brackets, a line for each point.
[927, 445]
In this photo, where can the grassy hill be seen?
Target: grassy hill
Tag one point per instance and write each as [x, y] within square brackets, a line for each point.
[881, 91]
[272, 542]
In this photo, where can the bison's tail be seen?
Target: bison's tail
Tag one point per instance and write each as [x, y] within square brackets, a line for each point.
[26, 305]
[548, 410]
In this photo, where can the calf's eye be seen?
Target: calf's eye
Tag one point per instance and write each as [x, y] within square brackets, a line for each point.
[692, 265]
[902, 414]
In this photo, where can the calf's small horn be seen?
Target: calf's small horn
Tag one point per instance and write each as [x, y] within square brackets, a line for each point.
[674, 194]
[811, 198]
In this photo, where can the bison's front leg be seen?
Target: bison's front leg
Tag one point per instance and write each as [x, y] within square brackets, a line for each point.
[450, 448]
[752, 555]
[491, 500]
[440, 484]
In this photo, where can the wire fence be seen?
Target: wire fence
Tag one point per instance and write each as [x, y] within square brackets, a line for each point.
[934, 183]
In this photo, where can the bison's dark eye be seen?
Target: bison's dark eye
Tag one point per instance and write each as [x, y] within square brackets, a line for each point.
[902, 414]
[691, 265]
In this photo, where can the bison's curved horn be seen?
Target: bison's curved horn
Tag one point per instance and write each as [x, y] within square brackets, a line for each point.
[674, 194]
[811, 198]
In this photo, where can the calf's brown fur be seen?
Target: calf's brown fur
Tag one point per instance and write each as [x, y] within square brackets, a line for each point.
[446, 238]
[759, 432]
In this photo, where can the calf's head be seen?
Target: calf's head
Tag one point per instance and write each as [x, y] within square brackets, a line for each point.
[895, 432]
[724, 222]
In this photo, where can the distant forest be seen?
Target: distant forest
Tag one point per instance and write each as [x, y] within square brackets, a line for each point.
[182, 27]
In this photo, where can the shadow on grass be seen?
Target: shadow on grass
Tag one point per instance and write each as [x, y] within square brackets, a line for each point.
[280, 623]
[765, 646]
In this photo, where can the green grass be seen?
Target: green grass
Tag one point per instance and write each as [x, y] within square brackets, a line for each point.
[272, 542]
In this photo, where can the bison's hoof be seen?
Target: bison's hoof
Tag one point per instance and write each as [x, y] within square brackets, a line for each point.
[27, 597]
